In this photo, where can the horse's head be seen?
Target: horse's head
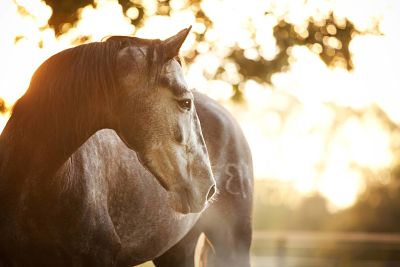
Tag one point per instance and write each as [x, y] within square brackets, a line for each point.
[156, 118]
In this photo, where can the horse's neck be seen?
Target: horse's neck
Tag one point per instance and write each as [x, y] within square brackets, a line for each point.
[39, 152]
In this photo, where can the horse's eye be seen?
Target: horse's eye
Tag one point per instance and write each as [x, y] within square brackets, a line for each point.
[185, 104]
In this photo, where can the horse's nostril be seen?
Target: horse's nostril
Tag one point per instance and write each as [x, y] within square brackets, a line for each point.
[211, 192]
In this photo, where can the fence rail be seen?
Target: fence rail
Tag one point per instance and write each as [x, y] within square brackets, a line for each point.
[325, 249]
[328, 236]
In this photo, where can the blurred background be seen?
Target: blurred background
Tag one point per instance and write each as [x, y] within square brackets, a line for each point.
[315, 85]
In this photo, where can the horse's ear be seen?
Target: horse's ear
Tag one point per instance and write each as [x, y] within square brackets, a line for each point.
[174, 43]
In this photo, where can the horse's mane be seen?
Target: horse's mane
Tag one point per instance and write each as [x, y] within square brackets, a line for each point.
[67, 98]
[80, 76]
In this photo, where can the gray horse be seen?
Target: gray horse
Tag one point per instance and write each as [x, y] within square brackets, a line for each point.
[103, 163]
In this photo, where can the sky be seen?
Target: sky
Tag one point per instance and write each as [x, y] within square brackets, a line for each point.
[315, 127]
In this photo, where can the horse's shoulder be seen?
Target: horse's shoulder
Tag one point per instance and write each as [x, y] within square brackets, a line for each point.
[102, 144]
[94, 157]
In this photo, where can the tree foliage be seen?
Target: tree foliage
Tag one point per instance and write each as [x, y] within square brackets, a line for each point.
[3, 107]
[329, 37]
[376, 210]
[65, 12]
[316, 35]
[273, 210]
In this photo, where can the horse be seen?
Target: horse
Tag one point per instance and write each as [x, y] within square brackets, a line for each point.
[109, 159]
